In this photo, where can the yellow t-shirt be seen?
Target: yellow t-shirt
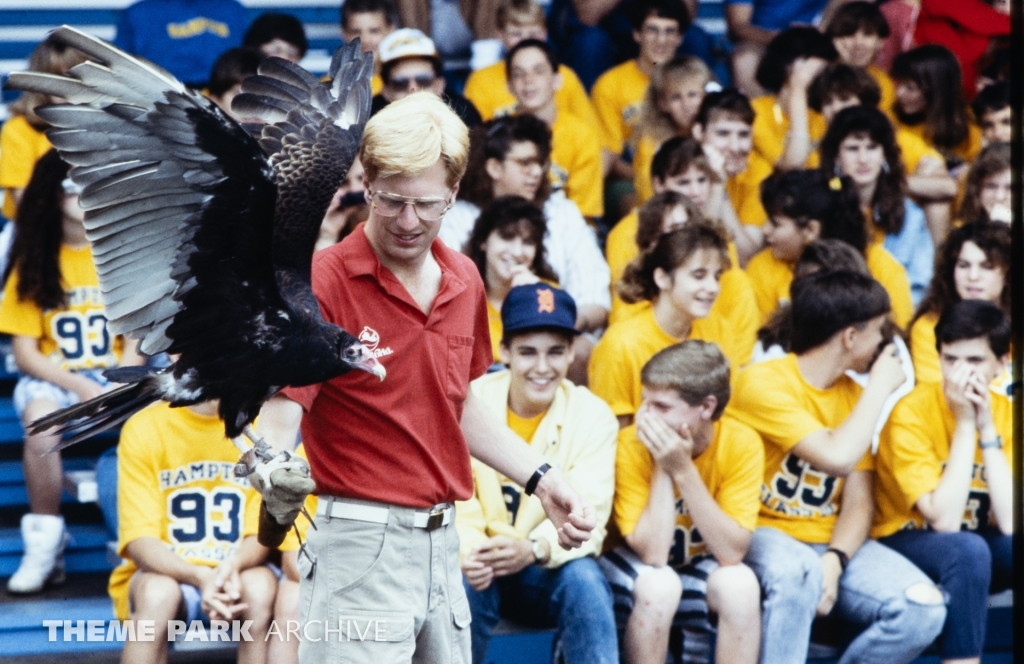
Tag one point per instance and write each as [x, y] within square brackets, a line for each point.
[524, 427]
[176, 482]
[893, 276]
[966, 151]
[731, 468]
[376, 85]
[617, 96]
[774, 399]
[625, 347]
[912, 453]
[646, 148]
[922, 349]
[744, 190]
[21, 146]
[488, 89]
[887, 90]
[771, 279]
[576, 164]
[736, 295]
[496, 328]
[913, 149]
[75, 337]
[771, 125]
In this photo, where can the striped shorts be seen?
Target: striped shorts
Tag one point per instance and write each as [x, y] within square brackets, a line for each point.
[690, 636]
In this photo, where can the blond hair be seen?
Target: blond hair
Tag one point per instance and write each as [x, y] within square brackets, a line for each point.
[49, 57]
[519, 13]
[654, 122]
[692, 369]
[408, 136]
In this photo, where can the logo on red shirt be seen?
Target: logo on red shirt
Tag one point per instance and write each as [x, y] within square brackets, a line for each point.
[370, 338]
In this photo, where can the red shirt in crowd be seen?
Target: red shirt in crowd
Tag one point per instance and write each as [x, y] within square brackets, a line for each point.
[396, 441]
[964, 27]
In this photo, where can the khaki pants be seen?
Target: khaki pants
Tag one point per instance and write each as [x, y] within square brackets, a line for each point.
[382, 593]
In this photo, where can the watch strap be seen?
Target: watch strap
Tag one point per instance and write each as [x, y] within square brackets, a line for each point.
[531, 484]
[997, 443]
[844, 559]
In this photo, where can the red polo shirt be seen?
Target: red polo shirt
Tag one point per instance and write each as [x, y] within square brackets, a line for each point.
[396, 441]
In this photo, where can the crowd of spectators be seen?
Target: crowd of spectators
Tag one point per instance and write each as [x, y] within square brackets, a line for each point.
[749, 293]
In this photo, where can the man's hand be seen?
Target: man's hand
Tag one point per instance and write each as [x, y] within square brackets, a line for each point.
[671, 450]
[955, 388]
[803, 72]
[478, 575]
[887, 369]
[284, 483]
[977, 393]
[569, 512]
[831, 571]
[504, 555]
[221, 592]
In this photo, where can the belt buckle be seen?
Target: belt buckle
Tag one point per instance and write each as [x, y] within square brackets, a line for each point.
[435, 519]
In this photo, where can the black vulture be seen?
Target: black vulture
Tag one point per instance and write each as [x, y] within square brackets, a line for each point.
[202, 229]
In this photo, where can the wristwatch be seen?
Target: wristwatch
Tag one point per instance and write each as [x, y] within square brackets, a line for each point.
[538, 553]
[989, 444]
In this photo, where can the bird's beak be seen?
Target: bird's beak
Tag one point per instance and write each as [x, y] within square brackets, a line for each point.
[367, 362]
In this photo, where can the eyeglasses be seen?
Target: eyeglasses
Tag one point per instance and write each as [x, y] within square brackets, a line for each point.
[391, 205]
[402, 83]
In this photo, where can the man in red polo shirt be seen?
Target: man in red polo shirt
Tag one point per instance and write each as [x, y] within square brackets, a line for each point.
[381, 581]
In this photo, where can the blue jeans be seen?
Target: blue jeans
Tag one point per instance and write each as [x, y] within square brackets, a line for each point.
[872, 594]
[106, 480]
[575, 599]
[967, 566]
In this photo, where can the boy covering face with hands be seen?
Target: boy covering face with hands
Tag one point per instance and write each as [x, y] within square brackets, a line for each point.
[945, 484]
[686, 501]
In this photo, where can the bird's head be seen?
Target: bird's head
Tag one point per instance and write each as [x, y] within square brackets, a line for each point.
[357, 356]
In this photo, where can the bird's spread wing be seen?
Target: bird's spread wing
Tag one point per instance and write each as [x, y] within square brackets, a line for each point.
[181, 200]
[311, 135]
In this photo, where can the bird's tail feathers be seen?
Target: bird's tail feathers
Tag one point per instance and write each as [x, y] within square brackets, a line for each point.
[106, 411]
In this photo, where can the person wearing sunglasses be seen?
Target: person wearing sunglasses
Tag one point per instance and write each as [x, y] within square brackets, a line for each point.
[410, 63]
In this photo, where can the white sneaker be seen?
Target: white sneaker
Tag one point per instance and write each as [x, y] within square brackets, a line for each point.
[43, 562]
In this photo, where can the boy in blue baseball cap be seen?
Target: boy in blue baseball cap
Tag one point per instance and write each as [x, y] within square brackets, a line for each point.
[509, 556]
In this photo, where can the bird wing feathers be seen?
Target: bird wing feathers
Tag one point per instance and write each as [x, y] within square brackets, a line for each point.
[191, 217]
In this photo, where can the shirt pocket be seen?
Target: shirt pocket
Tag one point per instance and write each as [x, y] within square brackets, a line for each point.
[460, 359]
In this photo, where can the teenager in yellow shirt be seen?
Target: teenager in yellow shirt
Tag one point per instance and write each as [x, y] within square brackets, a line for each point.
[841, 86]
[22, 141]
[686, 500]
[187, 531]
[679, 276]
[988, 187]
[53, 310]
[785, 129]
[576, 161]
[807, 205]
[810, 550]
[724, 127]
[945, 479]
[510, 558]
[930, 103]
[488, 89]
[658, 27]
[858, 30]
[973, 264]
[669, 108]
[507, 246]
[370, 21]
